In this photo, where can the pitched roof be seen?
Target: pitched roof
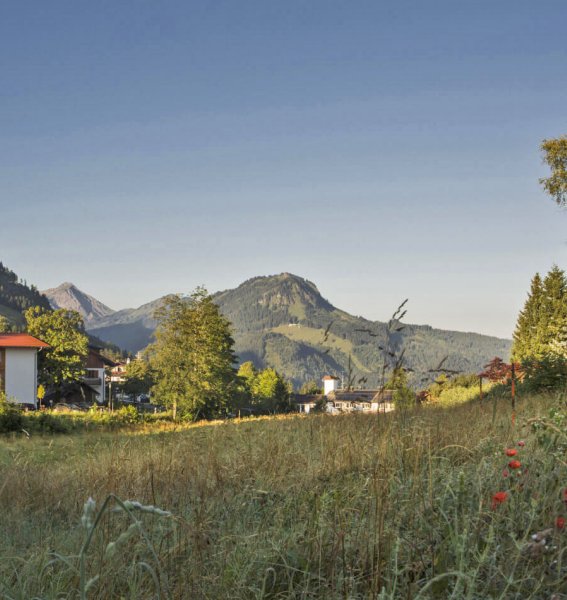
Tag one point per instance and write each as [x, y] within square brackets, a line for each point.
[330, 378]
[307, 398]
[361, 396]
[20, 340]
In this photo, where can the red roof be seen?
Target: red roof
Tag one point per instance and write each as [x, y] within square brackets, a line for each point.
[20, 340]
[329, 378]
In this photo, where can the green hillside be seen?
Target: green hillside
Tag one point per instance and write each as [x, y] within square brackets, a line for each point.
[16, 297]
[280, 321]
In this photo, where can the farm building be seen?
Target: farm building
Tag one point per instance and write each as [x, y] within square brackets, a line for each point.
[18, 366]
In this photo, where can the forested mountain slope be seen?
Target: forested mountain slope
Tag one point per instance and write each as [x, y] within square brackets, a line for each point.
[280, 321]
[16, 297]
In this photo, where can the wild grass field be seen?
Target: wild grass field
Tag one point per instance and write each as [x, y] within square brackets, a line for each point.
[403, 505]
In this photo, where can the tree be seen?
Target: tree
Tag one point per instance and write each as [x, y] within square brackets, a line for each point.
[271, 391]
[62, 329]
[403, 395]
[542, 324]
[497, 371]
[193, 357]
[310, 387]
[555, 155]
[4, 324]
[525, 335]
[138, 378]
[248, 373]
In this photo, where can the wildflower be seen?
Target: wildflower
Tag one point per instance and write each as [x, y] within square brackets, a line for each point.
[511, 452]
[505, 473]
[560, 522]
[498, 499]
[565, 495]
[514, 464]
[521, 443]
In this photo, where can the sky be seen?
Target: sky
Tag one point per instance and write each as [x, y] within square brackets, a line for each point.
[382, 149]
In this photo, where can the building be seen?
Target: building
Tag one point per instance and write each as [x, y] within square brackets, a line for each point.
[307, 402]
[94, 379]
[18, 366]
[340, 401]
[118, 372]
[360, 400]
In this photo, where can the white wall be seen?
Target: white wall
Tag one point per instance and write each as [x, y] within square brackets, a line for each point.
[330, 385]
[21, 375]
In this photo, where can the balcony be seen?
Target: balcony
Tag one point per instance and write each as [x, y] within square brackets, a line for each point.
[92, 377]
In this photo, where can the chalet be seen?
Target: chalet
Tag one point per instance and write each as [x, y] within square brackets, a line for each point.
[18, 366]
[95, 375]
[118, 372]
[339, 401]
[360, 400]
[91, 388]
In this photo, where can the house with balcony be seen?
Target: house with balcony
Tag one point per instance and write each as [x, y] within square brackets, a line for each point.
[93, 382]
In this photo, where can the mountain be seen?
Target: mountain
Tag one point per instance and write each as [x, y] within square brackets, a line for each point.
[16, 297]
[70, 297]
[281, 320]
[130, 328]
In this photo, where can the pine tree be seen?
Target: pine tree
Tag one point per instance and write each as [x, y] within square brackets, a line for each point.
[526, 327]
[541, 329]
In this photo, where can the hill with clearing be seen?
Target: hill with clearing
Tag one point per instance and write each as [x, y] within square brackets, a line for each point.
[281, 321]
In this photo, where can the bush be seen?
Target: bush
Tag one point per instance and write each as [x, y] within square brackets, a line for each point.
[128, 415]
[11, 418]
[49, 423]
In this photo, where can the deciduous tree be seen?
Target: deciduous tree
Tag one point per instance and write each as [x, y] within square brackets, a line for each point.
[4, 324]
[138, 378]
[62, 329]
[271, 391]
[193, 357]
[555, 155]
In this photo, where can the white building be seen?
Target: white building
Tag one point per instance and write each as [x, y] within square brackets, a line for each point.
[18, 366]
[340, 401]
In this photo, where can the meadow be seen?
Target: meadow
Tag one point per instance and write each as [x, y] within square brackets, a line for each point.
[416, 504]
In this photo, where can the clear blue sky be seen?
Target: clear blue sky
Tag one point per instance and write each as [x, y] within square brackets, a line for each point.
[382, 149]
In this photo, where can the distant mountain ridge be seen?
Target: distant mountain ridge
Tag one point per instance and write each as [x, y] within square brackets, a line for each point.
[71, 297]
[280, 321]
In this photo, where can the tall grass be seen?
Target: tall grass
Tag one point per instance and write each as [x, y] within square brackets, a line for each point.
[354, 506]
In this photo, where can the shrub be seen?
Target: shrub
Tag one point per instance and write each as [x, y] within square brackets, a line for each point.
[11, 418]
[48, 423]
[128, 415]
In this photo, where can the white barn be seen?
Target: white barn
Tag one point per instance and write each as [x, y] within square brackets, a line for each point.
[18, 366]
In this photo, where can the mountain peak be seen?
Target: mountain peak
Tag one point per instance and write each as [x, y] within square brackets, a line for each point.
[271, 300]
[69, 296]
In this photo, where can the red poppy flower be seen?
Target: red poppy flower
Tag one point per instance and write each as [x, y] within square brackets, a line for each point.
[511, 452]
[498, 499]
[514, 464]
[505, 473]
[565, 495]
[560, 522]
[521, 443]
